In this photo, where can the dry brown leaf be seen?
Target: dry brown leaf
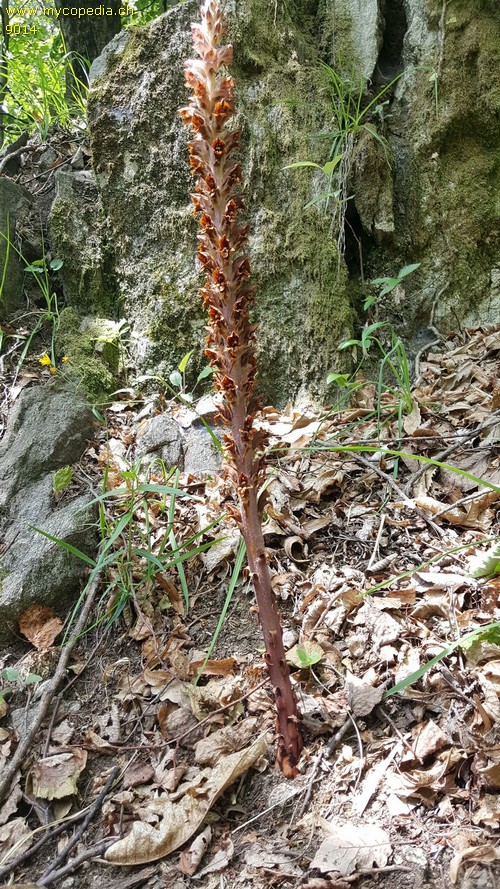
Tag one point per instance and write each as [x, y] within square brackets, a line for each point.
[57, 776]
[213, 668]
[412, 421]
[181, 819]
[190, 859]
[220, 860]
[40, 626]
[137, 773]
[489, 811]
[428, 739]
[478, 854]
[12, 836]
[361, 695]
[227, 740]
[350, 847]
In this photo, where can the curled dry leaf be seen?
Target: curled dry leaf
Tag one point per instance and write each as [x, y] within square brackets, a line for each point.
[181, 819]
[350, 847]
[40, 626]
[190, 859]
[477, 854]
[57, 776]
[220, 860]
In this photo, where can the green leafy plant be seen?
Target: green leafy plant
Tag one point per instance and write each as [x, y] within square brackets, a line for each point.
[178, 379]
[44, 84]
[62, 479]
[386, 284]
[40, 270]
[12, 680]
[127, 553]
[352, 114]
[393, 367]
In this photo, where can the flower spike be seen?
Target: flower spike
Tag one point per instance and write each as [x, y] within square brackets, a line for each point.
[227, 296]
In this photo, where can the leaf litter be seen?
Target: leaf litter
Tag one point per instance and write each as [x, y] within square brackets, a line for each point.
[373, 579]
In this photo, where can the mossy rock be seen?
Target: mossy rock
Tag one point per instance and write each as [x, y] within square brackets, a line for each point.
[94, 351]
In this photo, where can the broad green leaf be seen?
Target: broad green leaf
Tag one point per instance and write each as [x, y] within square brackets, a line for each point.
[62, 479]
[176, 379]
[408, 269]
[183, 363]
[340, 379]
[56, 264]
[32, 679]
[9, 674]
[331, 165]
[206, 372]
[302, 164]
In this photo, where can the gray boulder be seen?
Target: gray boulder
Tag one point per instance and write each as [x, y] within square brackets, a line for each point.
[49, 427]
[78, 237]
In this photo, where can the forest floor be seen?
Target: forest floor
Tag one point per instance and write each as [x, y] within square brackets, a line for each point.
[370, 554]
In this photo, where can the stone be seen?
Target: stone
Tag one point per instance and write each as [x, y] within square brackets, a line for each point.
[79, 238]
[48, 428]
[200, 453]
[162, 437]
[17, 213]
[139, 157]
[355, 31]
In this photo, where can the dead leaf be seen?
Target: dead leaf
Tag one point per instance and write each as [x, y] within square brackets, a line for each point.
[350, 847]
[40, 626]
[181, 819]
[220, 860]
[479, 854]
[412, 421]
[137, 773]
[489, 811]
[428, 739]
[190, 859]
[227, 740]
[57, 776]
[13, 836]
[361, 695]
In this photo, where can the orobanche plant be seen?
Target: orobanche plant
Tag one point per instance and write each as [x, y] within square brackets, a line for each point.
[228, 295]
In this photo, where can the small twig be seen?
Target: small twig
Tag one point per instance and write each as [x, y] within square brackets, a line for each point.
[377, 542]
[95, 807]
[8, 157]
[10, 770]
[94, 852]
[399, 491]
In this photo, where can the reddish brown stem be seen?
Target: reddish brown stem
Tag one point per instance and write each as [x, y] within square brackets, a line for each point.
[231, 337]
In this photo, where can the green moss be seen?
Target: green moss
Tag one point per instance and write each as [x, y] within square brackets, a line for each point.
[95, 356]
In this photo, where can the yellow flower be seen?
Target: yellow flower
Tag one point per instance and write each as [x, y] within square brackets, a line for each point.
[65, 359]
[45, 360]
[52, 369]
